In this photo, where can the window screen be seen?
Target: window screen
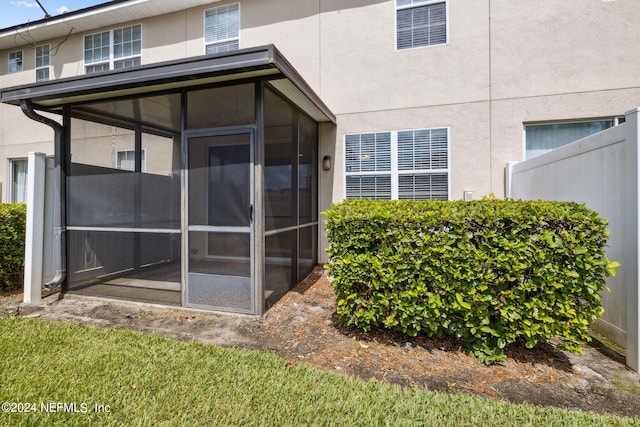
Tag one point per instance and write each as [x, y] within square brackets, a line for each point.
[420, 23]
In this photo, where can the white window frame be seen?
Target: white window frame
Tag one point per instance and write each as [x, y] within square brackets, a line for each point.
[220, 41]
[46, 67]
[394, 171]
[16, 64]
[11, 190]
[416, 4]
[118, 163]
[111, 63]
[617, 120]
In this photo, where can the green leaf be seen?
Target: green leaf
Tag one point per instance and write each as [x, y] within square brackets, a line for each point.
[462, 303]
[489, 330]
[611, 267]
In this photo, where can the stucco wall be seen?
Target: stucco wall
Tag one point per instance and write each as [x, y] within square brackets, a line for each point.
[548, 47]
[293, 27]
[507, 62]
[19, 136]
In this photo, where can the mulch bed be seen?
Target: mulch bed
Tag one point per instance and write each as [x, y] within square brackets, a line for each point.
[303, 327]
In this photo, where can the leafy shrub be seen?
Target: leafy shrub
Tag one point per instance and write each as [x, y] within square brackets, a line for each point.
[490, 272]
[12, 236]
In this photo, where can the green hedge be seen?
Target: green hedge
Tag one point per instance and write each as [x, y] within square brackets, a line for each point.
[12, 235]
[491, 272]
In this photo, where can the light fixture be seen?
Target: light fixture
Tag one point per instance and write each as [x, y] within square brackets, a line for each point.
[326, 163]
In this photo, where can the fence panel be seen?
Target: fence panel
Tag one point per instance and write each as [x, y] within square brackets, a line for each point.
[600, 171]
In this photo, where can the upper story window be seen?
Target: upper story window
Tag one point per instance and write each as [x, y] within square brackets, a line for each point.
[420, 23]
[222, 28]
[43, 62]
[544, 137]
[15, 61]
[112, 50]
[410, 164]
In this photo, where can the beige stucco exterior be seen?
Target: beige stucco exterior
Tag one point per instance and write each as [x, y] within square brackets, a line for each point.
[506, 63]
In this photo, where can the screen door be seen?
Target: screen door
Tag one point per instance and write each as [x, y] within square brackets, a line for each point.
[220, 218]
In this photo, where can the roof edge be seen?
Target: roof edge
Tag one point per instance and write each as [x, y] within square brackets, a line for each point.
[290, 73]
[168, 75]
[62, 17]
[144, 75]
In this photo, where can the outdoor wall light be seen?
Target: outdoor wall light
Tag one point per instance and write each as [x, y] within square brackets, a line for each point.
[326, 163]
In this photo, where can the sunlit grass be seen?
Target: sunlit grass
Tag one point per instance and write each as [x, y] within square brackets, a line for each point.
[151, 380]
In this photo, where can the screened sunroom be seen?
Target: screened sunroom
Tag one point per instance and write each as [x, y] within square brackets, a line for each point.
[190, 183]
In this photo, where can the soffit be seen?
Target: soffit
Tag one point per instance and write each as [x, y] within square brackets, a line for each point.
[92, 18]
[161, 112]
[291, 92]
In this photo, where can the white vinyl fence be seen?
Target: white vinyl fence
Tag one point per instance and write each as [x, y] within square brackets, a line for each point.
[39, 240]
[600, 171]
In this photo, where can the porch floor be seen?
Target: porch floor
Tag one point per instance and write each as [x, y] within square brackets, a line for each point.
[159, 284]
[162, 284]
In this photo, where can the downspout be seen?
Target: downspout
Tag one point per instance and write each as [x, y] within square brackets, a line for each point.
[59, 198]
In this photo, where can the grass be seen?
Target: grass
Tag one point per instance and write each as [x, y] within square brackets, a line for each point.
[151, 380]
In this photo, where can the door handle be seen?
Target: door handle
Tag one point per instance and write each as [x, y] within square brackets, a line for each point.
[250, 213]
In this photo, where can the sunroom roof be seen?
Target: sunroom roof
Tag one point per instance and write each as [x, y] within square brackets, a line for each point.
[264, 61]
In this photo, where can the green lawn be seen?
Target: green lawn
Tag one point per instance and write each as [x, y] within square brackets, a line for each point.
[151, 380]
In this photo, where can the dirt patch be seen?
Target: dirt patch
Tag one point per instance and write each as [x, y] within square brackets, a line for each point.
[302, 327]
[9, 302]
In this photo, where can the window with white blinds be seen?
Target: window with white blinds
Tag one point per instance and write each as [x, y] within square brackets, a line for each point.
[428, 186]
[369, 187]
[368, 152]
[222, 28]
[126, 160]
[411, 164]
[420, 23]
